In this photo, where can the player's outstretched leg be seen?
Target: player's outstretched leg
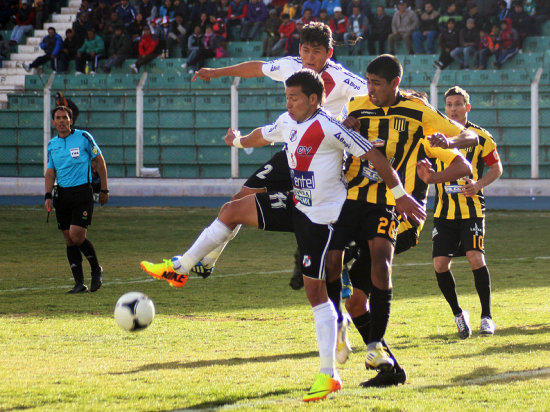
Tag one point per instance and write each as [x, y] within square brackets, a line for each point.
[206, 266]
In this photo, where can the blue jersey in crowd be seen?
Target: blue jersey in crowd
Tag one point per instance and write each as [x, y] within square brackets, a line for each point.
[71, 157]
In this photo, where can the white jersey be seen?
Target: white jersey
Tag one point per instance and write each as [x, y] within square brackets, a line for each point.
[314, 153]
[340, 84]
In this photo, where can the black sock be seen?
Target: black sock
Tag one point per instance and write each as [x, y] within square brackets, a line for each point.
[75, 261]
[362, 324]
[395, 363]
[483, 287]
[87, 248]
[334, 291]
[380, 302]
[446, 283]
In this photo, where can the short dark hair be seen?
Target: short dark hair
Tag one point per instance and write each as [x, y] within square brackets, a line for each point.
[52, 28]
[310, 82]
[63, 108]
[318, 34]
[386, 66]
[458, 91]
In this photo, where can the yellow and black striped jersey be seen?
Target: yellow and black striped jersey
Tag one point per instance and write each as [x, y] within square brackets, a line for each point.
[398, 131]
[449, 202]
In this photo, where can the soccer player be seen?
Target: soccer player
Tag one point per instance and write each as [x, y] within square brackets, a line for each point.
[459, 218]
[314, 142]
[70, 155]
[394, 124]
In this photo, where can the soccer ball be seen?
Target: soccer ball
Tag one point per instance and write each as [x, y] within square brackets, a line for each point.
[134, 311]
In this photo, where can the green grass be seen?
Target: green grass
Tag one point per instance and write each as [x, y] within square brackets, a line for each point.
[242, 339]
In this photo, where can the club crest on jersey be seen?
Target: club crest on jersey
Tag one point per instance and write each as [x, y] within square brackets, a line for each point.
[75, 152]
[94, 150]
[378, 143]
[293, 135]
[292, 161]
[400, 124]
[306, 261]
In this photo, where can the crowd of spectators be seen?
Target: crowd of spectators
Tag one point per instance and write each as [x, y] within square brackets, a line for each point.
[107, 32]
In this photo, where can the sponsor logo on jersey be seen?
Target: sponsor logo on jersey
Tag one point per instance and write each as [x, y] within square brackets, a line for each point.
[75, 152]
[477, 230]
[303, 179]
[351, 84]
[370, 174]
[273, 127]
[434, 233]
[400, 124]
[378, 143]
[306, 261]
[293, 135]
[451, 189]
[304, 150]
[339, 137]
[303, 196]
[94, 150]
[274, 68]
[367, 113]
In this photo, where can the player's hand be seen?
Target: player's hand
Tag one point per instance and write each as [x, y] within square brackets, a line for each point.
[408, 207]
[439, 140]
[352, 123]
[471, 188]
[205, 74]
[424, 170]
[48, 205]
[103, 198]
[230, 136]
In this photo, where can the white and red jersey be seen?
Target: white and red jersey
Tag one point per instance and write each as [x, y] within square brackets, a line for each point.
[340, 84]
[314, 153]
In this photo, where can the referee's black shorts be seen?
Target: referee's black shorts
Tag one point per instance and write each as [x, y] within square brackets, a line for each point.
[74, 206]
[273, 176]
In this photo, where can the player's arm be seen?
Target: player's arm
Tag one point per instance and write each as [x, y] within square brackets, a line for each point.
[101, 169]
[254, 139]
[245, 69]
[466, 138]
[459, 167]
[49, 180]
[495, 171]
[405, 204]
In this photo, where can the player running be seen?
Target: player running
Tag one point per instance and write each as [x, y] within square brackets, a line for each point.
[459, 218]
[314, 142]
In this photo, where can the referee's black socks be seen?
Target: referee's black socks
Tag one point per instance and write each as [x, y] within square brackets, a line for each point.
[447, 285]
[75, 261]
[88, 249]
[483, 286]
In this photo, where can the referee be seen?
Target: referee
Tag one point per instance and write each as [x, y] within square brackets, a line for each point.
[70, 155]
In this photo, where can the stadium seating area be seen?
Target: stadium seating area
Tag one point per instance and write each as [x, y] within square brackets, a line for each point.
[185, 121]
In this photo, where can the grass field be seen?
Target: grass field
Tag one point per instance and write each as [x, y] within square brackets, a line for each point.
[242, 339]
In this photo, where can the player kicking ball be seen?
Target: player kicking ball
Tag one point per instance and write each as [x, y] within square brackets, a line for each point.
[314, 142]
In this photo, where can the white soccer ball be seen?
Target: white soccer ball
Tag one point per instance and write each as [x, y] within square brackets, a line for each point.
[134, 311]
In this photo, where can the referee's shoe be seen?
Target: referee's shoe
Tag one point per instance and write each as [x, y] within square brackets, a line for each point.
[97, 280]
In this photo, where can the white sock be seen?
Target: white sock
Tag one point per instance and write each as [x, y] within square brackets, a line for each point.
[326, 321]
[211, 237]
[211, 259]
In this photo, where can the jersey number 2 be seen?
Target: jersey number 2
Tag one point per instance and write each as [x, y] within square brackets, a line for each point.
[263, 174]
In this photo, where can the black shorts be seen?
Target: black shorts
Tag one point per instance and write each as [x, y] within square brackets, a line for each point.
[407, 236]
[74, 206]
[273, 176]
[359, 273]
[454, 238]
[361, 221]
[275, 211]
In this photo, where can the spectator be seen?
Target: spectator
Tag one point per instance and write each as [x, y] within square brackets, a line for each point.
[161, 32]
[291, 8]
[237, 12]
[522, 22]
[136, 28]
[487, 9]
[448, 41]
[81, 27]
[503, 10]
[292, 45]
[286, 29]
[324, 17]
[69, 49]
[24, 22]
[4, 49]
[222, 10]
[428, 30]
[147, 49]
[85, 8]
[193, 46]
[542, 14]
[61, 100]
[41, 13]
[271, 29]
[219, 27]
[450, 13]
[182, 8]
[468, 39]
[338, 25]
[177, 36]
[203, 22]
[126, 12]
[256, 16]
[6, 12]
[364, 6]
[120, 49]
[474, 14]
[404, 22]
[508, 41]
[167, 9]
[203, 6]
[92, 50]
[307, 17]
[51, 44]
[357, 28]
[278, 5]
[210, 45]
[313, 5]
[379, 31]
[147, 9]
[488, 45]
[101, 15]
[329, 5]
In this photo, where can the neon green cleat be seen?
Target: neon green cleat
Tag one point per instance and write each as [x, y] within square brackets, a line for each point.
[324, 384]
[378, 358]
[164, 270]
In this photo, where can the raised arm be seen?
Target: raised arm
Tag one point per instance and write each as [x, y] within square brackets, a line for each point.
[245, 69]
[458, 168]
[254, 139]
[466, 138]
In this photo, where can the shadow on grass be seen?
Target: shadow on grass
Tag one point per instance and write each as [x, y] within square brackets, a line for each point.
[217, 362]
[511, 331]
[223, 402]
